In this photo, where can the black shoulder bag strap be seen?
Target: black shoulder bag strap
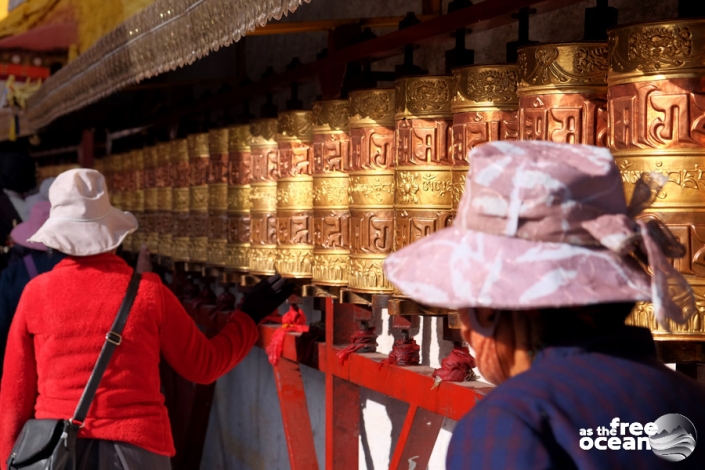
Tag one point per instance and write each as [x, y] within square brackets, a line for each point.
[112, 340]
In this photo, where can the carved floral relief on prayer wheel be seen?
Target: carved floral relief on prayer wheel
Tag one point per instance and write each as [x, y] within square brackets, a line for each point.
[295, 194]
[331, 214]
[139, 237]
[371, 188]
[423, 178]
[198, 197]
[656, 124]
[263, 196]
[180, 195]
[484, 109]
[237, 251]
[163, 175]
[563, 93]
[151, 199]
[218, 196]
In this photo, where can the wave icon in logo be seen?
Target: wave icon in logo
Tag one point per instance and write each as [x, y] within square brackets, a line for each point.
[675, 439]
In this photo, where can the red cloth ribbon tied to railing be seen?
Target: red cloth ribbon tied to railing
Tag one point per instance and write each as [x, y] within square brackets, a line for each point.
[293, 321]
[362, 339]
[457, 367]
[405, 352]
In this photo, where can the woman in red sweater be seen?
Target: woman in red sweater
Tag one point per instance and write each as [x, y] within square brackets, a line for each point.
[60, 325]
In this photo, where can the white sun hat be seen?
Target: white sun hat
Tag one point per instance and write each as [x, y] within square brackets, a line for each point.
[82, 222]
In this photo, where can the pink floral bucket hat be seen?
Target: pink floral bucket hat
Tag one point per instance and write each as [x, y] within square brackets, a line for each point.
[545, 225]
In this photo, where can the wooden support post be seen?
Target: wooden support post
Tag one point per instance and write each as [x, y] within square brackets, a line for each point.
[85, 152]
[417, 438]
[297, 423]
[342, 407]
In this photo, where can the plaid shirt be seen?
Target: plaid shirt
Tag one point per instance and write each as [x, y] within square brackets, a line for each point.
[533, 420]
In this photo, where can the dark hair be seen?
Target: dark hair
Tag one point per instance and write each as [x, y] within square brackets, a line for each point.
[17, 172]
[562, 325]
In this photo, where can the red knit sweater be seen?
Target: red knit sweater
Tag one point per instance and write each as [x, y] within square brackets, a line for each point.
[58, 332]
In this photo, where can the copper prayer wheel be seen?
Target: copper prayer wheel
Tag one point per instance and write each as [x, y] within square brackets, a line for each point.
[656, 114]
[484, 109]
[263, 196]
[423, 160]
[139, 237]
[237, 250]
[163, 175]
[331, 214]
[151, 199]
[198, 198]
[371, 188]
[563, 93]
[218, 196]
[295, 194]
[180, 195]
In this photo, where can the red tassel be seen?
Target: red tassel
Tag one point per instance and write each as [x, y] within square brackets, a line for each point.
[405, 352]
[362, 339]
[293, 321]
[457, 367]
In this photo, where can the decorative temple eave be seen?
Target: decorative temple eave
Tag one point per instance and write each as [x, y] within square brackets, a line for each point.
[166, 35]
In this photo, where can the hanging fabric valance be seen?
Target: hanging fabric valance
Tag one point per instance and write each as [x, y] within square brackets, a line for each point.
[164, 36]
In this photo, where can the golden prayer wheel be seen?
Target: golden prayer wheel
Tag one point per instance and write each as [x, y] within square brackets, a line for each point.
[198, 198]
[371, 188]
[180, 195]
[423, 161]
[331, 214]
[115, 170]
[151, 199]
[163, 175]
[127, 180]
[237, 250]
[295, 194]
[484, 109]
[218, 196]
[263, 196]
[563, 93]
[656, 115]
[139, 237]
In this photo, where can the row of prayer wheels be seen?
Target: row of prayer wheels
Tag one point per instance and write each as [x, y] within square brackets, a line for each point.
[52, 171]
[327, 194]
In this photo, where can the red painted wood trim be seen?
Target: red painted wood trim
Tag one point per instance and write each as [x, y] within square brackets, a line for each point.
[295, 417]
[417, 438]
[409, 384]
[23, 71]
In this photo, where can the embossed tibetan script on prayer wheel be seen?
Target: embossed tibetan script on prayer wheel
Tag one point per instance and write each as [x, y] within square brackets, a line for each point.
[180, 195]
[139, 237]
[151, 199]
[295, 194]
[163, 175]
[563, 93]
[263, 196]
[331, 215]
[237, 251]
[198, 199]
[484, 109]
[423, 178]
[218, 196]
[657, 111]
[371, 188]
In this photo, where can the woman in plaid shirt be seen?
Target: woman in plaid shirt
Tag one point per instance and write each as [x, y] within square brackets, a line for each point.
[545, 261]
